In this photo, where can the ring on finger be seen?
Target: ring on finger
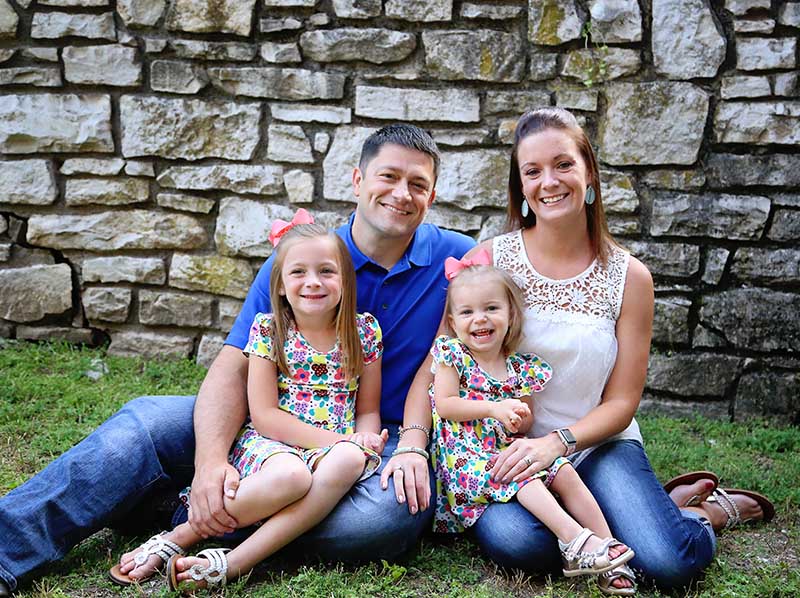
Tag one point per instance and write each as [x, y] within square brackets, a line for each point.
[527, 460]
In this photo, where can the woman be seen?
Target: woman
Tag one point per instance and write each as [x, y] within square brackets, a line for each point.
[589, 312]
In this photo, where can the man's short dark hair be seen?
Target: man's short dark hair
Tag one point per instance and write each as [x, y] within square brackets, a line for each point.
[405, 135]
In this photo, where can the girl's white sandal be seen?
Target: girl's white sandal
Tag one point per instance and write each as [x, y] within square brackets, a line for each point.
[214, 575]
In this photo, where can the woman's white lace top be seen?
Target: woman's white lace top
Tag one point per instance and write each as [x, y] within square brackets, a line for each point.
[571, 324]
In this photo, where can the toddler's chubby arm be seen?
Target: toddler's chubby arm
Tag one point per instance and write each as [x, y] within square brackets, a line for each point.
[368, 409]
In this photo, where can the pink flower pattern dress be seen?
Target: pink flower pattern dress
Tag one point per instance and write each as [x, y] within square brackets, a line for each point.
[464, 452]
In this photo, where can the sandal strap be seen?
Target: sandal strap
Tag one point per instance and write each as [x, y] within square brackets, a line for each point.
[606, 580]
[158, 546]
[724, 500]
[216, 573]
[573, 547]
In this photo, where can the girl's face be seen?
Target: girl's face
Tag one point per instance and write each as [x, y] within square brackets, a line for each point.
[311, 278]
[554, 175]
[479, 314]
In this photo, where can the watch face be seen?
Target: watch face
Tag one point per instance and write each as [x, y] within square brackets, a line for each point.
[568, 437]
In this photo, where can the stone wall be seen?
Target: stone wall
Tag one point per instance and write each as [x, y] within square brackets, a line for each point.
[148, 144]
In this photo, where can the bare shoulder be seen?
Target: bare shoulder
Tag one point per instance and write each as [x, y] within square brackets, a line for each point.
[485, 245]
[639, 295]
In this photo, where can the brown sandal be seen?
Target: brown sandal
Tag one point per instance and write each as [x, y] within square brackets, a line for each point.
[722, 497]
[686, 479]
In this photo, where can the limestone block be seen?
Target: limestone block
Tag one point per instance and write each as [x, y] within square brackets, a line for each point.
[145, 13]
[622, 225]
[110, 192]
[482, 55]
[770, 170]
[766, 266]
[278, 83]
[46, 54]
[298, 3]
[356, 43]
[275, 25]
[505, 130]
[260, 179]
[188, 129]
[98, 166]
[228, 310]
[208, 349]
[754, 25]
[693, 375]
[786, 199]
[357, 9]
[595, 65]
[211, 274]
[544, 66]
[420, 10]
[789, 14]
[785, 84]
[7, 54]
[185, 202]
[711, 408]
[296, 112]
[8, 20]
[321, 142]
[76, 336]
[102, 65]
[744, 87]
[615, 21]
[653, 123]
[493, 225]
[5, 252]
[160, 308]
[3, 224]
[106, 304]
[704, 338]
[299, 186]
[758, 123]
[276, 52]
[754, 319]
[774, 394]
[55, 123]
[40, 76]
[671, 320]
[29, 294]
[55, 25]
[220, 16]
[451, 105]
[553, 22]
[759, 53]
[785, 226]
[674, 179]
[27, 182]
[716, 259]
[288, 143]
[716, 215]
[619, 196]
[456, 220]
[494, 12]
[192, 48]
[176, 76]
[577, 99]
[124, 269]
[128, 343]
[74, 2]
[340, 160]
[667, 259]
[114, 230]
[140, 168]
[243, 226]
[516, 102]
[741, 7]
[459, 137]
[154, 45]
[473, 178]
[687, 41]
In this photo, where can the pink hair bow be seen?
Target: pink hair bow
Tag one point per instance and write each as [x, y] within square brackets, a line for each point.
[281, 227]
[452, 266]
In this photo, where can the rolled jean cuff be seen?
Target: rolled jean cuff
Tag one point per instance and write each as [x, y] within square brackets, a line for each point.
[8, 578]
[687, 514]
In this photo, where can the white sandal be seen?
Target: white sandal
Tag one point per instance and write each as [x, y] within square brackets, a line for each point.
[606, 580]
[583, 562]
[155, 546]
[214, 575]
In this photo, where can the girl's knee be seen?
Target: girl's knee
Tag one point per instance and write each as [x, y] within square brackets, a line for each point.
[294, 479]
[345, 461]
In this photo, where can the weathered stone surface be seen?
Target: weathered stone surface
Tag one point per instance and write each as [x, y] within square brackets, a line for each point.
[261, 179]
[420, 10]
[775, 394]
[40, 76]
[188, 129]
[8, 20]
[473, 178]
[760, 123]
[8, 53]
[113, 230]
[3, 224]
[274, 25]
[223, 16]
[789, 14]
[505, 130]
[759, 53]
[704, 338]
[577, 99]
[771, 170]
[159, 308]
[141, 12]
[311, 113]
[668, 259]
[709, 407]
[211, 274]
[299, 186]
[342, 157]
[492, 226]
[408, 70]
[615, 21]
[190, 48]
[243, 226]
[744, 87]
[785, 226]
[741, 7]
[110, 192]
[55, 123]
[54, 25]
[277, 83]
[624, 225]
[357, 9]
[46, 54]
[595, 65]
[459, 137]
[29, 294]
[452, 105]
[288, 143]
[754, 319]
[786, 84]
[185, 202]
[277, 52]
[553, 22]
[321, 142]
[74, 2]
[350, 43]
[786, 199]
[27, 182]
[98, 166]
[303, 3]
[208, 349]
[495, 12]
[76, 336]
[456, 220]
[140, 168]
[653, 123]
[124, 269]
[5, 252]
[687, 42]
[766, 266]
[692, 375]
[228, 310]
[671, 320]
[543, 66]
[619, 196]
[106, 304]
[483, 55]
[754, 25]
[175, 76]
[154, 45]
[102, 65]
[721, 216]
[674, 179]
[127, 343]
[516, 102]
[716, 258]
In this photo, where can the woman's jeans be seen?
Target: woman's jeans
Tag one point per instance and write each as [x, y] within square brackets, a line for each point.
[672, 546]
[148, 446]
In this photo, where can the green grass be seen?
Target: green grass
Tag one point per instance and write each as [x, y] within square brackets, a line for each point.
[47, 404]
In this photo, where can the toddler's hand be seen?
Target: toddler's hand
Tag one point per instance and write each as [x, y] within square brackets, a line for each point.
[511, 413]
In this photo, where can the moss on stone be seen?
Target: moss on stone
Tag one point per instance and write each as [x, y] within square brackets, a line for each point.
[552, 17]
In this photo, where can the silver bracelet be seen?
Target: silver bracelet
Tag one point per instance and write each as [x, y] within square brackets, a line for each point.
[403, 450]
[403, 430]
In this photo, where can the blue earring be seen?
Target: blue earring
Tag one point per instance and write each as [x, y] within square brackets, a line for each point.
[590, 196]
[525, 209]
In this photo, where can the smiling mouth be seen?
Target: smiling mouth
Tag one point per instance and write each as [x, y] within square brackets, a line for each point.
[482, 334]
[313, 296]
[395, 210]
[553, 199]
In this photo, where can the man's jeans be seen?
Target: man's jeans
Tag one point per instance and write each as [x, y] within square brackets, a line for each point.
[672, 546]
[147, 446]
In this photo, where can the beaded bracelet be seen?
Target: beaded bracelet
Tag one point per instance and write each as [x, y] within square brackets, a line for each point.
[402, 431]
[411, 449]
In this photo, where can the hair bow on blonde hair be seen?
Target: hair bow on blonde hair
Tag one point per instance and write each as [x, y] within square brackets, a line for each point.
[452, 266]
[281, 227]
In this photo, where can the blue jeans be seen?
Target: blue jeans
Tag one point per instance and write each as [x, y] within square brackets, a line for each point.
[148, 446]
[672, 546]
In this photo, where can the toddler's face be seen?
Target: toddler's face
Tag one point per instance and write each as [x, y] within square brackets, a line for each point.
[480, 313]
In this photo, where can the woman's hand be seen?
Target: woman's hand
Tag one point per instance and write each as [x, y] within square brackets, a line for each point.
[526, 456]
[510, 413]
[409, 472]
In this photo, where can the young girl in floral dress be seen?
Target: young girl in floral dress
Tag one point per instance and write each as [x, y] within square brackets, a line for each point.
[481, 399]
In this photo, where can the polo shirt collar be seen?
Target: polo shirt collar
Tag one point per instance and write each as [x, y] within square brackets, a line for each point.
[418, 253]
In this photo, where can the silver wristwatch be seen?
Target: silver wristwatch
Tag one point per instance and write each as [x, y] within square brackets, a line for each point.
[568, 439]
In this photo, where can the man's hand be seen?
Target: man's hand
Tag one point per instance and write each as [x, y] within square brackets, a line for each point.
[207, 515]
[409, 473]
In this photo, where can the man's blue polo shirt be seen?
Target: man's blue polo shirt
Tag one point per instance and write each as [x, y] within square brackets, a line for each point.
[407, 300]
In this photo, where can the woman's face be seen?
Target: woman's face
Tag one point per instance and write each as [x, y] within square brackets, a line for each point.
[554, 175]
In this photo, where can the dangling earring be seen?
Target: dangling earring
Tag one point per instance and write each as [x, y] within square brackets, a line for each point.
[590, 196]
[525, 209]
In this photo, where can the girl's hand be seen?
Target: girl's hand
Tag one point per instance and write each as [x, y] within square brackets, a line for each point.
[510, 413]
[370, 440]
[526, 456]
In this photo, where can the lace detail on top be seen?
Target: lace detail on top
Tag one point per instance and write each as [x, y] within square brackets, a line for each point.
[596, 292]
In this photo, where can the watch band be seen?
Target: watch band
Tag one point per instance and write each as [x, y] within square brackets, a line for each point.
[568, 440]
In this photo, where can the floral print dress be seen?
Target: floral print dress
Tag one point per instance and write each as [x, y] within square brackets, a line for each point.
[463, 452]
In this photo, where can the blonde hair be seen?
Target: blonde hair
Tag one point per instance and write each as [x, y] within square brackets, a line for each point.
[345, 320]
[513, 293]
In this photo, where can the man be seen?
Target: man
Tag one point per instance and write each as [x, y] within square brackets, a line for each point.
[151, 444]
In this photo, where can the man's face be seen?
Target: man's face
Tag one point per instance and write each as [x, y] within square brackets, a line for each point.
[394, 191]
